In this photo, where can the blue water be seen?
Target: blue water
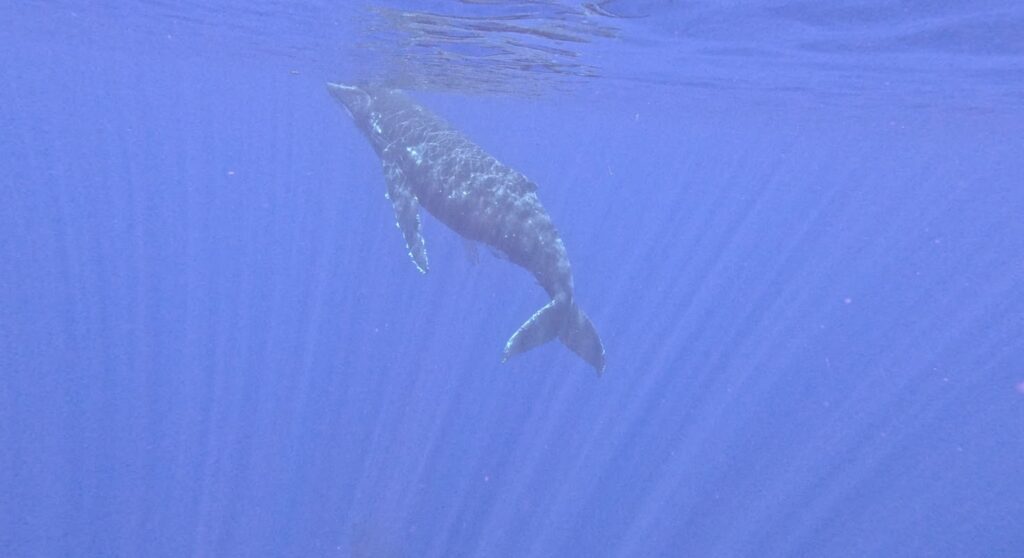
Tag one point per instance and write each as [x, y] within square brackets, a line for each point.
[799, 230]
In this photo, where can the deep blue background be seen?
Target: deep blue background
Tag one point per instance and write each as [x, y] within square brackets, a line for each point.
[212, 342]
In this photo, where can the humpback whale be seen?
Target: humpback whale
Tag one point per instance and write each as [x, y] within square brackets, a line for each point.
[429, 164]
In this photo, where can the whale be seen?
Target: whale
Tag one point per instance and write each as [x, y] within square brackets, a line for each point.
[430, 165]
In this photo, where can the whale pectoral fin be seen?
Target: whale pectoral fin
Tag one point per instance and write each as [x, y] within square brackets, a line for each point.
[542, 327]
[407, 215]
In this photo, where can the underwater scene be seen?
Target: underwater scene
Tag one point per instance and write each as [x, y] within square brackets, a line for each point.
[526, 278]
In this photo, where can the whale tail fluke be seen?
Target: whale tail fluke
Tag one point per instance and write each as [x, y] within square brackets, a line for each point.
[581, 338]
[563, 320]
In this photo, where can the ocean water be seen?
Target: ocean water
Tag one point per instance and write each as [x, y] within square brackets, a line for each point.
[797, 226]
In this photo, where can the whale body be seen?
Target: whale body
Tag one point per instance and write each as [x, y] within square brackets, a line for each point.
[429, 164]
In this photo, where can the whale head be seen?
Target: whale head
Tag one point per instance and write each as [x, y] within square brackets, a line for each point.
[356, 100]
